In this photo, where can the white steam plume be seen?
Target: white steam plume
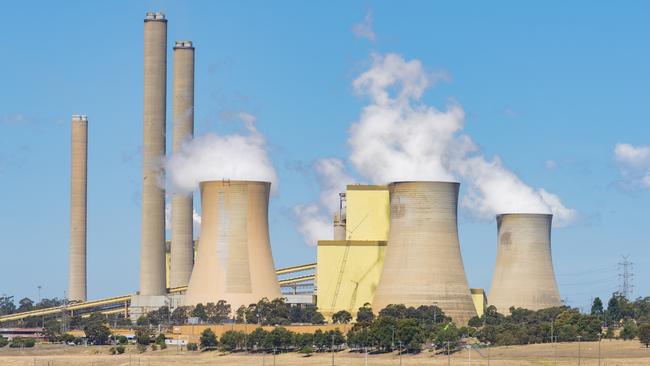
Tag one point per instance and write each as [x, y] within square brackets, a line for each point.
[398, 137]
[634, 165]
[216, 157]
[315, 219]
[196, 220]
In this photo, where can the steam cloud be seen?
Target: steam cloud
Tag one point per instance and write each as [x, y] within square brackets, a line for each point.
[634, 165]
[398, 137]
[314, 219]
[216, 157]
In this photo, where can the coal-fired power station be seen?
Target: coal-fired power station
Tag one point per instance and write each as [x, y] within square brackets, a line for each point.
[394, 244]
[234, 261]
[182, 243]
[523, 275]
[78, 195]
[152, 247]
[423, 264]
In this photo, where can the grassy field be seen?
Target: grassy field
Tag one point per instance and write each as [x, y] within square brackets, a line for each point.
[612, 353]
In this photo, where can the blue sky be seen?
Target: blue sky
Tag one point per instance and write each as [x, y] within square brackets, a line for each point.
[550, 88]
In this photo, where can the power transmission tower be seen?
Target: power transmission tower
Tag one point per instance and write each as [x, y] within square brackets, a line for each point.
[626, 277]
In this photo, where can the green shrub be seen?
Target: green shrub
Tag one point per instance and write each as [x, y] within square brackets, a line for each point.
[20, 342]
[154, 347]
[112, 350]
[192, 347]
[142, 348]
[120, 349]
[3, 341]
[306, 351]
[163, 346]
[122, 340]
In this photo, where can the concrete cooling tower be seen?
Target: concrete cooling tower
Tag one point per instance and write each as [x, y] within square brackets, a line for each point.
[182, 243]
[152, 247]
[423, 264]
[78, 187]
[523, 275]
[234, 261]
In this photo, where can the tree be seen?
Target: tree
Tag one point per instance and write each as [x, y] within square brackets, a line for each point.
[7, 305]
[317, 318]
[199, 312]
[52, 330]
[259, 339]
[410, 334]
[217, 313]
[597, 307]
[3, 341]
[208, 340]
[25, 304]
[644, 334]
[365, 314]
[342, 317]
[447, 336]
[232, 340]
[179, 315]
[96, 330]
[629, 330]
[143, 335]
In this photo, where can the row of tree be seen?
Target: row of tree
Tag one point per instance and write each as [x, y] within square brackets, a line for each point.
[264, 312]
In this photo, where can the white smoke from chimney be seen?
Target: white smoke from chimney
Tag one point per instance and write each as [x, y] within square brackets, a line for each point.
[196, 220]
[398, 137]
[217, 157]
[315, 219]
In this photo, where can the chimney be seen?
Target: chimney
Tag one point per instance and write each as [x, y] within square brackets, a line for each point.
[152, 250]
[78, 187]
[182, 247]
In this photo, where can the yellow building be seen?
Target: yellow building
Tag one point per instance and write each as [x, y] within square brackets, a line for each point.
[348, 270]
[480, 300]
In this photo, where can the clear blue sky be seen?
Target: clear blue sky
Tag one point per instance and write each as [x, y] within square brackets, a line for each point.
[540, 82]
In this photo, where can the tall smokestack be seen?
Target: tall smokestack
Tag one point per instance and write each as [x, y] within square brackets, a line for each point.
[182, 248]
[523, 275]
[78, 187]
[152, 251]
[423, 264]
[234, 261]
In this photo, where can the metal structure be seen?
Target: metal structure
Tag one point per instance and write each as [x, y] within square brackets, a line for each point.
[182, 243]
[78, 205]
[423, 263]
[234, 261]
[119, 304]
[626, 277]
[523, 275]
[152, 248]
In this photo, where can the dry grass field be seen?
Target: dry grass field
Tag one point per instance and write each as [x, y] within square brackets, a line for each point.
[612, 352]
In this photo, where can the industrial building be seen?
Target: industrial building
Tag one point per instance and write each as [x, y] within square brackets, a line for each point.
[349, 268]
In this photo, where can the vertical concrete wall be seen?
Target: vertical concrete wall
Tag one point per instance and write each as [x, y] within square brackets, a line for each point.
[234, 261]
[523, 275]
[423, 264]
[347, 274]
[367, 212]
[339, 226]
[78, 194]
[152, 249]
[182, 248]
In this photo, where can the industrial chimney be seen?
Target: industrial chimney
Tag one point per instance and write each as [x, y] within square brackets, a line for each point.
[152, 249]
[523, 275]
[234, 261]
[182, 243]
[79, 171]
[423, 264]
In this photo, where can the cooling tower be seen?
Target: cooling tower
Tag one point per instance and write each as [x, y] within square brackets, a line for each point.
[152, 248]
[423, 264]
[523, 276]
[79, 170]
[182, 247]
[234, 261]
